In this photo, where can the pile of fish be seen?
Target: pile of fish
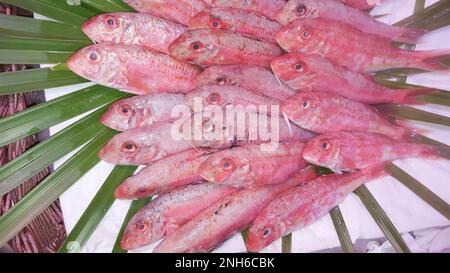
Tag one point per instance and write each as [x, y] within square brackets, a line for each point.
[303, 65]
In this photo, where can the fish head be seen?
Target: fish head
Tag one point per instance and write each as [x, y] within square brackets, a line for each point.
[196, 46]
[295, 70]
[303, 35]
[207, 19]
[98, 63]
[132, 188]
[122, 114]
[106, 28]
[218, 75]
[299, 9]
[133, 147]
[143, 229]
[302, 109]
[323, 151]
[262, 233]
[225, 166]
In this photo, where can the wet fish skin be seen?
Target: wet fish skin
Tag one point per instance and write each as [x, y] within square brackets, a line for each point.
[164, 175]
[214, 47]
[304, 72]
[304, 205]
[359, 52]
[252, 78]
[337, 11]
[168, 212]
[133, 69]
[141, 111]
[268, 8]
[211, 227]
[143, 146]
[322, 113]
[250, 165]
[349, 151]
[245, 22]
[130, 28]
[362, 4]
[179, 11]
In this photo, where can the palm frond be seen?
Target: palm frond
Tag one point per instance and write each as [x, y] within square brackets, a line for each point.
[341, 230]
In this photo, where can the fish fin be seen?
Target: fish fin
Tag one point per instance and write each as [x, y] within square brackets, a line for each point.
[376, 171]
[410, 35]
[436, 151]
[431, 60]
[409, 96]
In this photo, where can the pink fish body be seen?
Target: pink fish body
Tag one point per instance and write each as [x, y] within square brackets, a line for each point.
[245, 22]
[323, 113]
[250, 166]
[304, 72]
[304, 205]
[223, 95]
[141, 111]
[230, 215]
[362, 4]
[334, 10]
[253, 78]
[347, 151]
[129, 28]
[180, 11]
[143, 146]
[168, 212]
[268, 8]
[133, 69]
[347, 46]
[164, 175]
[213, 47]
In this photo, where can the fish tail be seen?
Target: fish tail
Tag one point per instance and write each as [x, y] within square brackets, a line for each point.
[375, 172]
[409, 35]
[436, 151]
[410, 96]
[432, 60]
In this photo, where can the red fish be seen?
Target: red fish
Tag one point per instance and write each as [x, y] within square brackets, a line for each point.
[334, 10]
[223, 95]
[168, 212]
[346, 45]
[133, 69]
[180, 11]
[164, 175]
[348, 151]
[323, 113]
[211, 47]
[305, 72]
[220, 221]
[253, 78]
[268, 8]
[362, 4]
[245, 22]
[143, 146]
[141, 111]
[133, 29]
[250, 166]
[304, 205]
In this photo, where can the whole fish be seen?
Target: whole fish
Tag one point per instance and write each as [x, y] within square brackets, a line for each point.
[304, 72]
[346, 45]
[180, 11]
[141, 111]
[211, 227]
[304, 205]
[231, 127]
[323, 113]
[224, 95]
[164, 175]
[211, 47]
[253, 78]
[144, 146]
[268, 8]
[335, 10]
[348, 151]
[362, 4]
[133, 69]
[250, 166]
[168, 212]
[245, 22]
[130, 28]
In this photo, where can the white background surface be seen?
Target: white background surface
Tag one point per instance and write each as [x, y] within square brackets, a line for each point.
[404, 208]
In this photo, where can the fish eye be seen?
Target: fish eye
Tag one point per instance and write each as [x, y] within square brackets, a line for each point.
[220, 80]
[93, 56]
[125, 110]
[208, 127]
[227, 164]
[266, 232]
[129, 148]
[196, 46]
[306, 34]
[325, 146]
[111, 22]
[305, 104]
[215, 24]
[301, 10]
[299, 67]
[141, 227]
[214, 98]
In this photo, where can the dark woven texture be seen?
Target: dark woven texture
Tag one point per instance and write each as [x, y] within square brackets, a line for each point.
[46, 232]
